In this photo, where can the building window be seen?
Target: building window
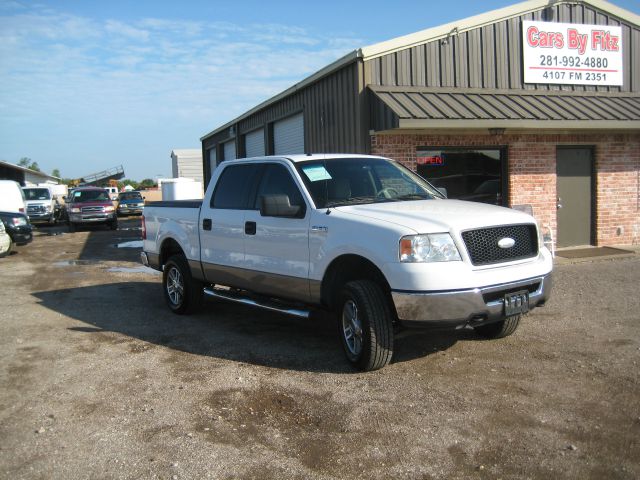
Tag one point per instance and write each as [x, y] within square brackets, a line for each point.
[475, 174]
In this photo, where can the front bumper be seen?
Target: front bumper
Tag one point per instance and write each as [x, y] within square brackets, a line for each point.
[21, 235]
[41, 217]
[471, 306]
[91, 218]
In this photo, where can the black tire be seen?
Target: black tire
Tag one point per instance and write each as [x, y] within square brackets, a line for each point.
[113, 225]
[182, 292]
[365, 325]
[500, 329]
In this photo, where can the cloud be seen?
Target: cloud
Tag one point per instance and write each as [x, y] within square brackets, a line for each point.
[111, 78]
[124, 32]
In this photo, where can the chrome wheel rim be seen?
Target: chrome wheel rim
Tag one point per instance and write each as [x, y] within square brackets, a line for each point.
[175, 286]
[352, 328]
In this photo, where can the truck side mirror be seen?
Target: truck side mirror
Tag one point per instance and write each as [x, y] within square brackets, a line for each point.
[278, 206]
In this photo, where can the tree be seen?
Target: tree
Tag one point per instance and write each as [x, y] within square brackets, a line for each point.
[56, 173]
[147, 183]
[27, 163]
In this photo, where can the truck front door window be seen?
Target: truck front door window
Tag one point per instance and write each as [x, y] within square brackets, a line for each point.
[276, 180]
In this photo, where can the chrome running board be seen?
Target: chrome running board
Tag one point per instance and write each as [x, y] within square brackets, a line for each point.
[265, 304]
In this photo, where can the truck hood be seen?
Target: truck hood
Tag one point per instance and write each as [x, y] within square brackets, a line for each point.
[432, 216]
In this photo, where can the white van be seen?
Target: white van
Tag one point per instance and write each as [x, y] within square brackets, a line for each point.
[41, 204]
[113, 192]
[11, 197]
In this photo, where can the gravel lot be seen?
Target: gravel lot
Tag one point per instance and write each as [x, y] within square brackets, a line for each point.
[99, 380]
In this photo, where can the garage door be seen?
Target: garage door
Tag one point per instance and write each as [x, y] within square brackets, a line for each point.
[230, 150]
[288, 135]
[254, 143]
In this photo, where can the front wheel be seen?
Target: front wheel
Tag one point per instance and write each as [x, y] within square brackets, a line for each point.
[500, 329]
[365, 325]
[9, 248]
[182, 292]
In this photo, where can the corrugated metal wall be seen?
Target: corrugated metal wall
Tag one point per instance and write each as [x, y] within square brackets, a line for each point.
[187, 166]
[491, 56]
[332, 109]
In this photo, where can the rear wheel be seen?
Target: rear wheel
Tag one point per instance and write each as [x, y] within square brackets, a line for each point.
[182, 292]
[500, 329]
[365, 325]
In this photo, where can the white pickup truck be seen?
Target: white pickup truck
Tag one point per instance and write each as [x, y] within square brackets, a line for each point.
[357, 235]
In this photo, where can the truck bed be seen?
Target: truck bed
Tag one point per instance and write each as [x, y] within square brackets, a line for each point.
[175, 203]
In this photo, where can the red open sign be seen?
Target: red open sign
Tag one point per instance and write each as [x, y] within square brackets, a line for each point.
[430, 160]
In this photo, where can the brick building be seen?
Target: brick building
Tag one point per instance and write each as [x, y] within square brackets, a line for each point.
[536, 104]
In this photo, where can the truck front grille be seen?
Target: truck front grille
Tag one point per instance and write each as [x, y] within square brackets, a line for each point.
[92, 209]
[31, 209]
[483, 248]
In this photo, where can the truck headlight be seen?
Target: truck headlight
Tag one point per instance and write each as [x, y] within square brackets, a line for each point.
[108, 209]
[434, 247]
[75, 210]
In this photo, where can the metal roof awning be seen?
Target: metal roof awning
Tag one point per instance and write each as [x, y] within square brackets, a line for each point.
[437, 108]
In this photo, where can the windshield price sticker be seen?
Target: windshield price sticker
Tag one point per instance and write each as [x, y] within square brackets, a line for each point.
[316, 173]
[572, 54]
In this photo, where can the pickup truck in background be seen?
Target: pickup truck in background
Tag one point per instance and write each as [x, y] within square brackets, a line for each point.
[90, 205]
[360, 236]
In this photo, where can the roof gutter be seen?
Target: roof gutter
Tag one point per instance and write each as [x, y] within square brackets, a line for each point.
[515, 124]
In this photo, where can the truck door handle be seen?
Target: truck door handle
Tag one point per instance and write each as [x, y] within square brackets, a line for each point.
[250, 228]
[206, 224]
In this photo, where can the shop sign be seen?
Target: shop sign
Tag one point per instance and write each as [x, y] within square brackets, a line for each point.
[432, 160]
[572, 54]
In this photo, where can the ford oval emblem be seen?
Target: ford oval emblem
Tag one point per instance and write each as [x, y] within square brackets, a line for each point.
[506, 242]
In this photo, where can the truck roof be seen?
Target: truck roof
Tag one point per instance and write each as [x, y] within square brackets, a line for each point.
[296, 158]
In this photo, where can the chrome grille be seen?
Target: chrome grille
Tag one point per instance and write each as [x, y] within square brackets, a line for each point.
[92, 209]
[483, 249]
[35, 209]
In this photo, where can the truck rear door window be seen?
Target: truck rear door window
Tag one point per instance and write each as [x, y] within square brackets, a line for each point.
[232, 190]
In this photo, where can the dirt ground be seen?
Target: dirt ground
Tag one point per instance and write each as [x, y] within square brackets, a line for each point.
[99, 380]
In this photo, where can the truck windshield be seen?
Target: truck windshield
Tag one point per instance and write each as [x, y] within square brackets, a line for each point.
[84, 196]
[352, 181]
[37, 194]
[130, 196]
